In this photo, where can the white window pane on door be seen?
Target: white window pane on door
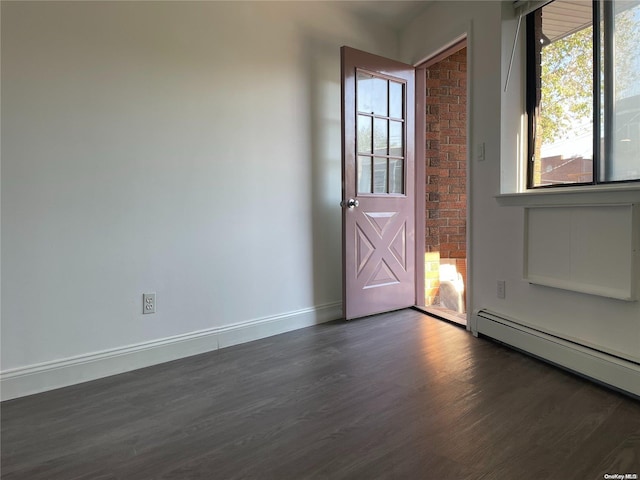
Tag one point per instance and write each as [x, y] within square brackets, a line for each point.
[396, 139]
[364, 133]
[379, 175]
[364, 92]
[396, 175]
[364, 174]
[379, 97]
[396, 99]
[380, 136]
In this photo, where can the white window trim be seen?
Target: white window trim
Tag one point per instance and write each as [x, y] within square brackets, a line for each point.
[608, 194]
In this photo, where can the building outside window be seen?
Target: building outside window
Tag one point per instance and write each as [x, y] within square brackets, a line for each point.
[583, 93]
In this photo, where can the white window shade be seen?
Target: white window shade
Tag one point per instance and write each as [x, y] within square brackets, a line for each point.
[524, 7]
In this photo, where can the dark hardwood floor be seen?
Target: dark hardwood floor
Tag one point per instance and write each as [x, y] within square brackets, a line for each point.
[399, 395]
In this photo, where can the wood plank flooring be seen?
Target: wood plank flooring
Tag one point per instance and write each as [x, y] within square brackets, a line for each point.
[398, 395]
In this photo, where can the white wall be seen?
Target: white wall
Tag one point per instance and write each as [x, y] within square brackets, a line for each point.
[193, 149]
[497, 230]
[190, 149]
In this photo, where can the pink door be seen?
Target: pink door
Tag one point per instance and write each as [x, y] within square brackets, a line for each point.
[378, 224]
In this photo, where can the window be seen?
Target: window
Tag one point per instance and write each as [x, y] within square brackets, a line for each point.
[583, 93]
[380, 133]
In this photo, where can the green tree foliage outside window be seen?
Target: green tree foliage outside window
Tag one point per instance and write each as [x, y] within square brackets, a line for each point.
[564, 119]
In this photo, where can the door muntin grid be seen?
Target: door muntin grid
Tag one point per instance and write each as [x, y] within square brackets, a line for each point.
[380, 135]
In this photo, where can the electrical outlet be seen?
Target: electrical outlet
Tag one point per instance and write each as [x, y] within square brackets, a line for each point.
[148, 303]
[500, 289]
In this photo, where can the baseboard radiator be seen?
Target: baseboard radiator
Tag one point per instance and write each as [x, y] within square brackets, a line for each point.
[595, 365]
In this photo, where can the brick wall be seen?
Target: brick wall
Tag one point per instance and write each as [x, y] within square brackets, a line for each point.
[446, 156]
[446, 169]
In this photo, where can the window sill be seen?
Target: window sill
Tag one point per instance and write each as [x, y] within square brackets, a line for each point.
[590, 195]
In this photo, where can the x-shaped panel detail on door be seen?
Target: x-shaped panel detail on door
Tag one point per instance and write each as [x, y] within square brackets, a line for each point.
[381, 249]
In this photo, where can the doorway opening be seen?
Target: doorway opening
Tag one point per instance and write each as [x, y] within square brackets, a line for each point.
[445, 255]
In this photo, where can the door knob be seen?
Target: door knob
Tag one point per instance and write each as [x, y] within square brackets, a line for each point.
[350, 203]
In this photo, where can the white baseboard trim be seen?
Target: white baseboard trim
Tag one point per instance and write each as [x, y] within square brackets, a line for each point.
[22, 381]
[599, 366]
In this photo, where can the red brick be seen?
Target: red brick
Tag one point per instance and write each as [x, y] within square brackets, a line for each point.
[459, 173]
[449, 197]
[449, 131]
[437, 91]
[432, 135]
[451, 164]
[452, 205]
[450, 116]
[432, 222]
[460, 182]
[449, 65]
[457, 222]
[450, 148]
[449, 213]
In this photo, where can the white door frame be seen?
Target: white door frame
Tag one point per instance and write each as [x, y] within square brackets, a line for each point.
[420, 190]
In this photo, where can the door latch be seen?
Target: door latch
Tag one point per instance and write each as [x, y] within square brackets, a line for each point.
[351, 203]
